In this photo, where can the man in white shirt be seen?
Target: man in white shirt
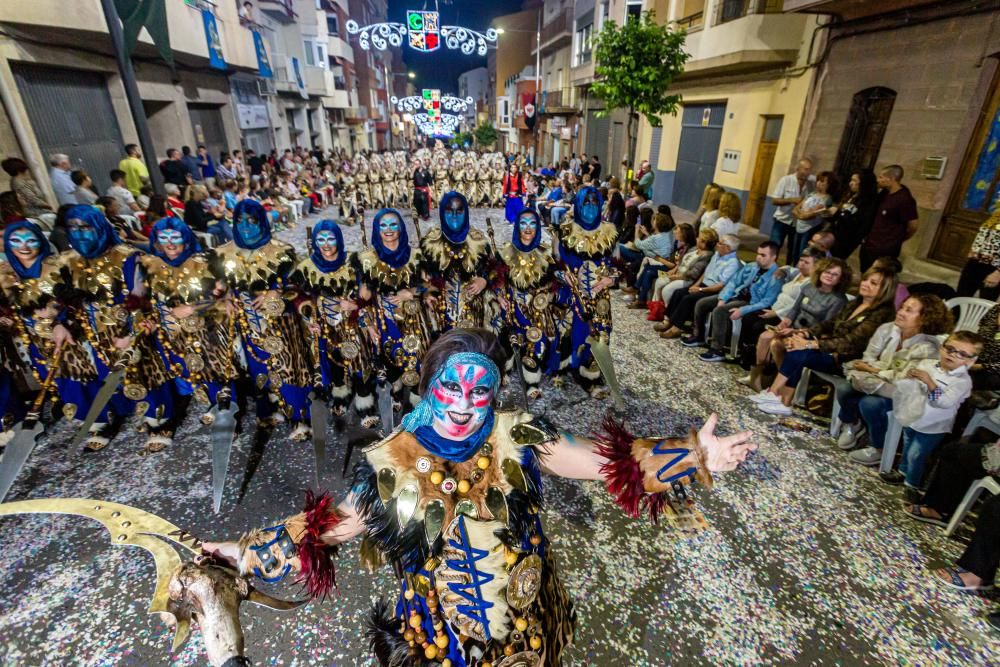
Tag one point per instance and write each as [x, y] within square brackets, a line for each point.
[789, 191]
[118, 191]
[62, 180]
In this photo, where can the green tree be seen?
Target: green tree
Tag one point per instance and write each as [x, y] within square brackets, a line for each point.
[635, 65]
[463, 138]
[486, 134]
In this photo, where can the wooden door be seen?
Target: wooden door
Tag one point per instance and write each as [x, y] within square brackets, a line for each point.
[977, 189]
[762, 167]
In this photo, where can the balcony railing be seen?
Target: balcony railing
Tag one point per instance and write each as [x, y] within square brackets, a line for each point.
[559, 100]
[730, 10]
[559, 26]
[281, 10]
[691, 22]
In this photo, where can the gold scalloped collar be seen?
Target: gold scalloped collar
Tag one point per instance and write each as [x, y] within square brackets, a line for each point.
[596, 242]
[185, 281]
[445, 253]
[96, 275]
[243, 266]
[24, 291]
[526, 268]
[339, 281]
[378, 271]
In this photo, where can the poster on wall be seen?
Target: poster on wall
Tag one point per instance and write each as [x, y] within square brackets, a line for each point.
[263, 62]
[215, 58]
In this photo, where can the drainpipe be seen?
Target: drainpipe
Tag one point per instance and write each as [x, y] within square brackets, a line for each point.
[24, 137]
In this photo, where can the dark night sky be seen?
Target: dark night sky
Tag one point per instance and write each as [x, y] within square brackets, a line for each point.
[441, 68]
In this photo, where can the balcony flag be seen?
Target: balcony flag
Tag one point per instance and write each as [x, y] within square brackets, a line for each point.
[529, 110]
[148, 14]
[263, 62]
[299, 81]
[215, 58]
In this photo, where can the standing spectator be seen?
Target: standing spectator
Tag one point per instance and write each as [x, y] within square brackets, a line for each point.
[646, 177]
[729, 214]
[256, 164]
[809, 212]
[982, 270]
[118, 191]
[84, 193]
[852, 219]
[136, 174]
[34, 202]
[192, 163]
[595, 170]
[614, 208]
[207, 165]
[62, 180]
[751, 290]
[574, 164]
[895, 218]
[226, 171]
[173, 169]
[787, 194]
[584, 165]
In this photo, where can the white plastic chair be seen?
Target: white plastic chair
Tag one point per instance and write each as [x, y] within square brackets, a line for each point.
[970, 311]
[893, 434]
[803, 387]
[981, 419]
[985, 484]
[734, 338]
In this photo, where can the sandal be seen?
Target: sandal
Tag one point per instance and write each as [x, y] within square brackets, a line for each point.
[955, 581]
[370, 421]
[300, 433]
[913, 512]
[156, 443]
[95, 443]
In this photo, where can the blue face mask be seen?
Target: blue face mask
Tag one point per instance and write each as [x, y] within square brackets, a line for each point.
[24, 239]
[590, 211]
[170, 237]
[325, 239]
[388, 224]
[249, 229]
[454, 218]
[84, 237]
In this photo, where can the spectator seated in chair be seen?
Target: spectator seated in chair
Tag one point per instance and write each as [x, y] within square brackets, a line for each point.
[689, 307]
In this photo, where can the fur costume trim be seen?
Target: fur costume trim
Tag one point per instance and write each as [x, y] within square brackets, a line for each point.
[319, 516]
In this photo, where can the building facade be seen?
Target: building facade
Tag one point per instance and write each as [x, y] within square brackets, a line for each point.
[915, 84]
[474, 84]
[511, 75]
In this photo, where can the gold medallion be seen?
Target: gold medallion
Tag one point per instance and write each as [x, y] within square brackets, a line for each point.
[141, 408]
[272, 306]
[260, 380]
[411, 344]
[272, 345]
[195, 363]
[603, 307]
[69, 410]
[525, 582]
[134, 392]
[465, 324]
[350, 350]
[411, 307]
[192, 323]
[541, 301]
[533, 334]
[411, 378]
[522, 659]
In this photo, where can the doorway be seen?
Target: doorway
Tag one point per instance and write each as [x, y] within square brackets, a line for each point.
[701, 135]
[209, 131]
[766, 148]
[867, 121]
[977, 189]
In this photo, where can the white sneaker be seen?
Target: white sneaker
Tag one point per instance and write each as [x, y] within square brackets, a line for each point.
[764, 396]
[745, 380]
[849, 435]
[867, 456]
[778, 408]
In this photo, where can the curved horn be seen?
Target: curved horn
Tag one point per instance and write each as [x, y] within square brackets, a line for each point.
[131, 527]
[264, 600]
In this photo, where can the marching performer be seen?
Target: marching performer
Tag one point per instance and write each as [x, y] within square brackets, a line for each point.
[584, 247]
[452, 502]
[256, 268]
[422, 182]
[196, 333]
[527, 297]
[361, 178]
[442, 181]
[402, 180]
[458, 260]
[375, 176]
[347, 193]
[392, 284]
[107, 298]
[328, 307]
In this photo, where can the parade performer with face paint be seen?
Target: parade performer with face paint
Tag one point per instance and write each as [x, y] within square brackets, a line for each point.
[497, 172]
[375, 182]
[361, 178]
[36, 322]
[109, 303]
[459, 260]
[452, 502]
[347, 195]
[470, 184]
[584, 247]
[422, 182]
[527, 297]
[341, 354]
[442, 180]
[256, 268]
[196, 333]
[392, 284]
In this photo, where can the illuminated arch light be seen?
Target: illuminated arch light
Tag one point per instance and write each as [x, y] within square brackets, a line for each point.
[425, 33]
[416, 103]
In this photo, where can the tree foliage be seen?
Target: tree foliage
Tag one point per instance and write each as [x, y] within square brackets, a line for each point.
[635, 65]
[486, 134]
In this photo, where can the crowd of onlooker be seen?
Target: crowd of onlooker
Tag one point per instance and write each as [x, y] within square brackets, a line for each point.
[197, 188]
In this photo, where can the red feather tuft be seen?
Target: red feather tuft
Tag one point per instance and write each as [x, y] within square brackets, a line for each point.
[134, 302]
[318, 573]
[623, 476]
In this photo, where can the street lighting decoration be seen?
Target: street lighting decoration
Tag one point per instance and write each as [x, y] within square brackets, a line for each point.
[448, 103]
[425, 33]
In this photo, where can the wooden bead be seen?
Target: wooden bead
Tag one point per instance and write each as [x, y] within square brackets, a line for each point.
[535, 540]
[508, 650]
[441, 640]
[464, 486]
[415, 620]
[483, 462]
[421, 638]
[437, 477]
[510, 557]
[521, 624]
[446, 662]
[409, 635]
[431, 652]
[408, 594]
[535, 642]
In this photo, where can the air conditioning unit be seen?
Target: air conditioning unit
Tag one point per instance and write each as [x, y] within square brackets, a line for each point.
[265, 87]
[933, 168]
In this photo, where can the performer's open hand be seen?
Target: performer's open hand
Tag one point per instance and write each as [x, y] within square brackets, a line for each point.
[475, 286]
[61, 336]
[722, 454]
[603, 284]
[226, 552]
